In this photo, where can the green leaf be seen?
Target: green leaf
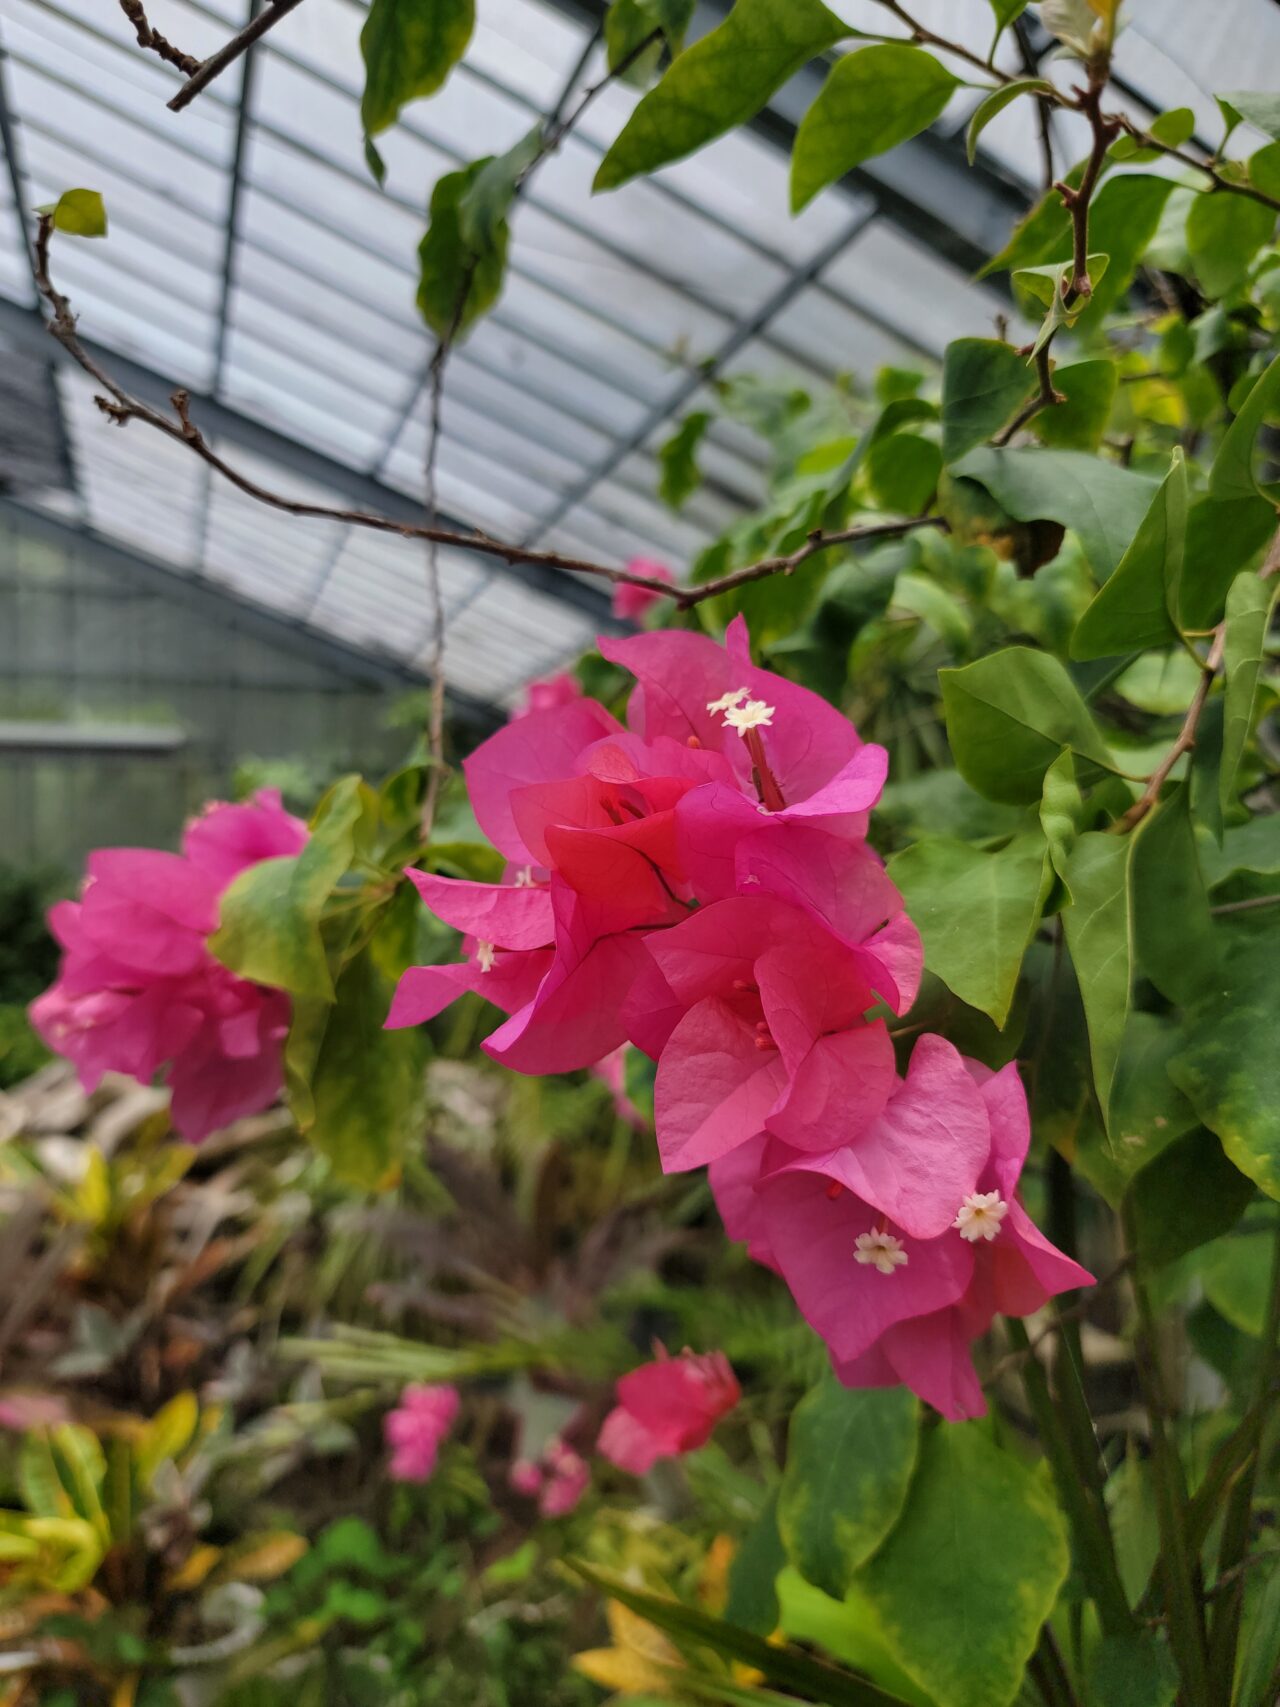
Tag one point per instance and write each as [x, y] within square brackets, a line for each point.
[932, 603]
[1264, 169]
[787, 1667]
[457, 284]
[1260, 108]
[678, 457]
[1099, 929]
[355, 1088]
[1132, 1671]
[630, 23]
[1104, 504]
[1236, 1273]
[983, 382]
[1187, 1196]
[985, 1603]
[409, 47]
[1048, 286]
[1260, 1642]
[485, 203]
[269, 918]
[1249, 606]
[1232, 473]
[902, 471]
[871, 101]
[1229, 1066]
[1172, 929]
[1148, 1111]
[976, 912]
[753, 1599]
[850, 1454]
[80, 213]
[1254, 846]
[1123, 218]
[998, 100]
[1224, 233]
[1137, 607]
[720, 82]
[1223, 535]
[1009, 715]
[1061, 812]
[1006, 11]
[1079, 423]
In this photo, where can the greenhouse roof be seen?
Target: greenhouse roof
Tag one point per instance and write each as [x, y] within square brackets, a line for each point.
[253, 261]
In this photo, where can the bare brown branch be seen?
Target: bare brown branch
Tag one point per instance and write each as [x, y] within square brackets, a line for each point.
[1045, 397]
[202, 72]
[1186, 738]
[119, 406]
[154, 42]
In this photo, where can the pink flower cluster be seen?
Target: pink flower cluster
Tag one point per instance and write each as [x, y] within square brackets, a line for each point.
[699, 884]
[138, 988]
[667, 1408]
[557, 1480]
[416, 1428]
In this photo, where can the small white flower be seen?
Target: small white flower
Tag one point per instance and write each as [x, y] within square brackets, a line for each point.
[716, 706]
[753, 715]
[524, 877]
[882, 1249]
[980, 1216]
[484, 955]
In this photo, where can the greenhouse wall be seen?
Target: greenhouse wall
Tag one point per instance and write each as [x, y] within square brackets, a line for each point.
[124, 708]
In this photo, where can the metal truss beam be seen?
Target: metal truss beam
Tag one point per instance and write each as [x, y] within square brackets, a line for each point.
[349, 485]
[356, 663]
[924, 187]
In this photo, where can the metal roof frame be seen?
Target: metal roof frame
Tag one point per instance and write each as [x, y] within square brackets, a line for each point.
[356, 663]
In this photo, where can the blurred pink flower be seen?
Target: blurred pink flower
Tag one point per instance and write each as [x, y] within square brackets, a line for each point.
[138, 989]
[548, 694]
[415, 1429]
[630, 603]
[557, 1480]
[526, 1478]
[666, 1408]
[568, 1478]
[22, 1411]
[611, 1070]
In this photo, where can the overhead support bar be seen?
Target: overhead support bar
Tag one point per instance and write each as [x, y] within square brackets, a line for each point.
[219, 421]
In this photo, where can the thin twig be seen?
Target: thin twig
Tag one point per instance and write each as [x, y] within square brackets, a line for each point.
[205, 71]
[1045, 397]
[1186, 738]
[119, 406]
[1117, 121]
[154, 42]
[553, 131]
[1246, 906]
[1077, 200]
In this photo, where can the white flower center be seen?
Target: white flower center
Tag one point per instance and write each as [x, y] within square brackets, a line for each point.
[753, 715]
[980, 1216]
[882, 1250]
[524, 877]
[716, 706]
[485, 952]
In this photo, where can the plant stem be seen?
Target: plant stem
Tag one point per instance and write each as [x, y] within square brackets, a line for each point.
[1179, 1567]
[1090, 1530]
[1185, 741]
[1234, 1545]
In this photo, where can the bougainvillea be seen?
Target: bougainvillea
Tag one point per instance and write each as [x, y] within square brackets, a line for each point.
[701, 885]
[138, 990]
[666, 1408]
[416, 1429]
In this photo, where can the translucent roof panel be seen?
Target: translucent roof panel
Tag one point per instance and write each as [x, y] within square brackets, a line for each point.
[253, 260]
